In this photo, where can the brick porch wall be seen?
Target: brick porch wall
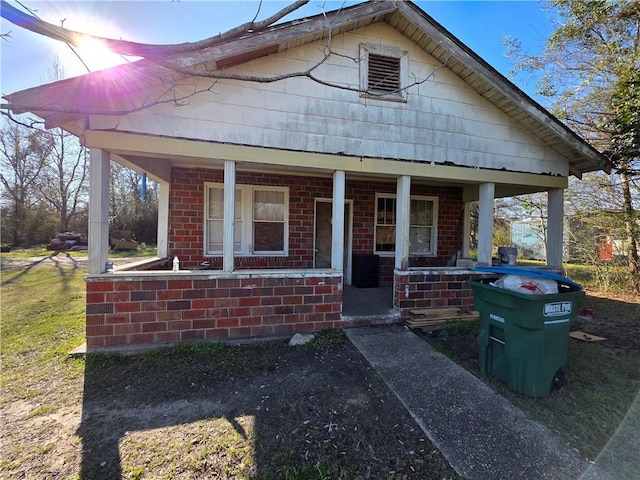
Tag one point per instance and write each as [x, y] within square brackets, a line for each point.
[432, 289]
[124, 310]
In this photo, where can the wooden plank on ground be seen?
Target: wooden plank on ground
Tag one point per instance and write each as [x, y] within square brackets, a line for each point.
[425, 322]
[585, 337]
[440, 326]
[435, 311]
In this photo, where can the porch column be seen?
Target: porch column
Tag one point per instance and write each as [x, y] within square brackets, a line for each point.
[229, 215]
[337, 221]
[163, 219]
[403, 207]
[99, 171]
[485, 223]
[555, 219]
[466, 229]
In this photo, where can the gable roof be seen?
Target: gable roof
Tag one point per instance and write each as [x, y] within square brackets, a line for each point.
[70, 97]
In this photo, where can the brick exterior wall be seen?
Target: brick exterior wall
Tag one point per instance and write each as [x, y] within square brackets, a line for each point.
[140, 308]
[125, 311]
[186, 219]
[433, 289]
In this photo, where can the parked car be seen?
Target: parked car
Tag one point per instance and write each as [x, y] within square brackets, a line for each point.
[68, 241]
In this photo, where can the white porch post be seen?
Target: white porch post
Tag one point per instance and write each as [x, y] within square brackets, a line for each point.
[163, 219]
[229, 215]
[98, 210]
[403, 207]
[555, 219]
[485, 223]
[337, 221]
[466, 229]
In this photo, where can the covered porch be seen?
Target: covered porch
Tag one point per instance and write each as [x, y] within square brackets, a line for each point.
[237, 296]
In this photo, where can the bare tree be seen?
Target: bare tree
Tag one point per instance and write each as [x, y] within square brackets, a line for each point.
[23, 156]
[63, 183]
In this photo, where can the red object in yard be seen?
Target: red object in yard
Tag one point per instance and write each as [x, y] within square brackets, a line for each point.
[587, 312]
[67, 241]
[57, 244]
[605, 249]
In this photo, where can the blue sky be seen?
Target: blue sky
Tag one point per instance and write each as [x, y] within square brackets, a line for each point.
[27, 57]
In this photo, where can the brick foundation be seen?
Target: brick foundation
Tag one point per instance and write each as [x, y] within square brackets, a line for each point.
[136, 309]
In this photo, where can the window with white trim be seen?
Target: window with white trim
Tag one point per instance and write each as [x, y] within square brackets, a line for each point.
[261, 222]
[383, 72]
[423, 219]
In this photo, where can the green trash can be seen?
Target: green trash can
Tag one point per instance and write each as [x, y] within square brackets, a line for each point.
[524, 337]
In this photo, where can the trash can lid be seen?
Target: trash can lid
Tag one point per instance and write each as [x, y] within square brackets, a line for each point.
[531, 272]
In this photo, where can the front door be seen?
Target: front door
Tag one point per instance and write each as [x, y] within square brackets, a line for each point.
[323, 232]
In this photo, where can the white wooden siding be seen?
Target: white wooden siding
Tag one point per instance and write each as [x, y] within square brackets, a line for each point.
[443, 120]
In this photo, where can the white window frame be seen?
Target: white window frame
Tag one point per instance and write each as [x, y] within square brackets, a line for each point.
[246, 221]
[386, 51]
[434, 226]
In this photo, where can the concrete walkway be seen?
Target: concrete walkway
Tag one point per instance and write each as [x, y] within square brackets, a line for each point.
[480, 433]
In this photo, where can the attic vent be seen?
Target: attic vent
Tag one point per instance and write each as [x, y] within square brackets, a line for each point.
[384, 74]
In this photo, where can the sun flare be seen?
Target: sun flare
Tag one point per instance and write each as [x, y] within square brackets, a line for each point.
[97, 55]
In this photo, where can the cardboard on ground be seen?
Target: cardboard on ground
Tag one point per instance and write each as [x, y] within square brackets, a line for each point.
[585, 337]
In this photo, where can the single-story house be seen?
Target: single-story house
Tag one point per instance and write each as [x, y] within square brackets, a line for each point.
[280, 199]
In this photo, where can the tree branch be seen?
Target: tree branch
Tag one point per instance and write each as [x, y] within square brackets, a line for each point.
[124, 47]
[33, 123]
[177, 100]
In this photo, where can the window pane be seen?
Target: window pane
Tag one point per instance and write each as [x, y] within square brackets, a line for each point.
[216, 203]
[420, 239]
[237, 236]
[386, 211]
[386, 239]
[238, 207]
[421, 212]
[216, 206]
[268, 236]
[268, 205]
[215, 236]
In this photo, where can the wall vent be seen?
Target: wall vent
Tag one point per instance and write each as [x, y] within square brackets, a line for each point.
[384, 74]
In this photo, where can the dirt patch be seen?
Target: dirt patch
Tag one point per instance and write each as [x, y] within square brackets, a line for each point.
[210, 411]
[617, 318]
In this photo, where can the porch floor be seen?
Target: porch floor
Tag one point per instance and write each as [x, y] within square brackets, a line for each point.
[361, 302]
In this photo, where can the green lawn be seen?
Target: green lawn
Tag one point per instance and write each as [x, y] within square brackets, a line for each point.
[43, 313]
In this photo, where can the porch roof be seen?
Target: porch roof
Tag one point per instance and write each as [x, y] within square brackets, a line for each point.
[156, 155]
[66, 103]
